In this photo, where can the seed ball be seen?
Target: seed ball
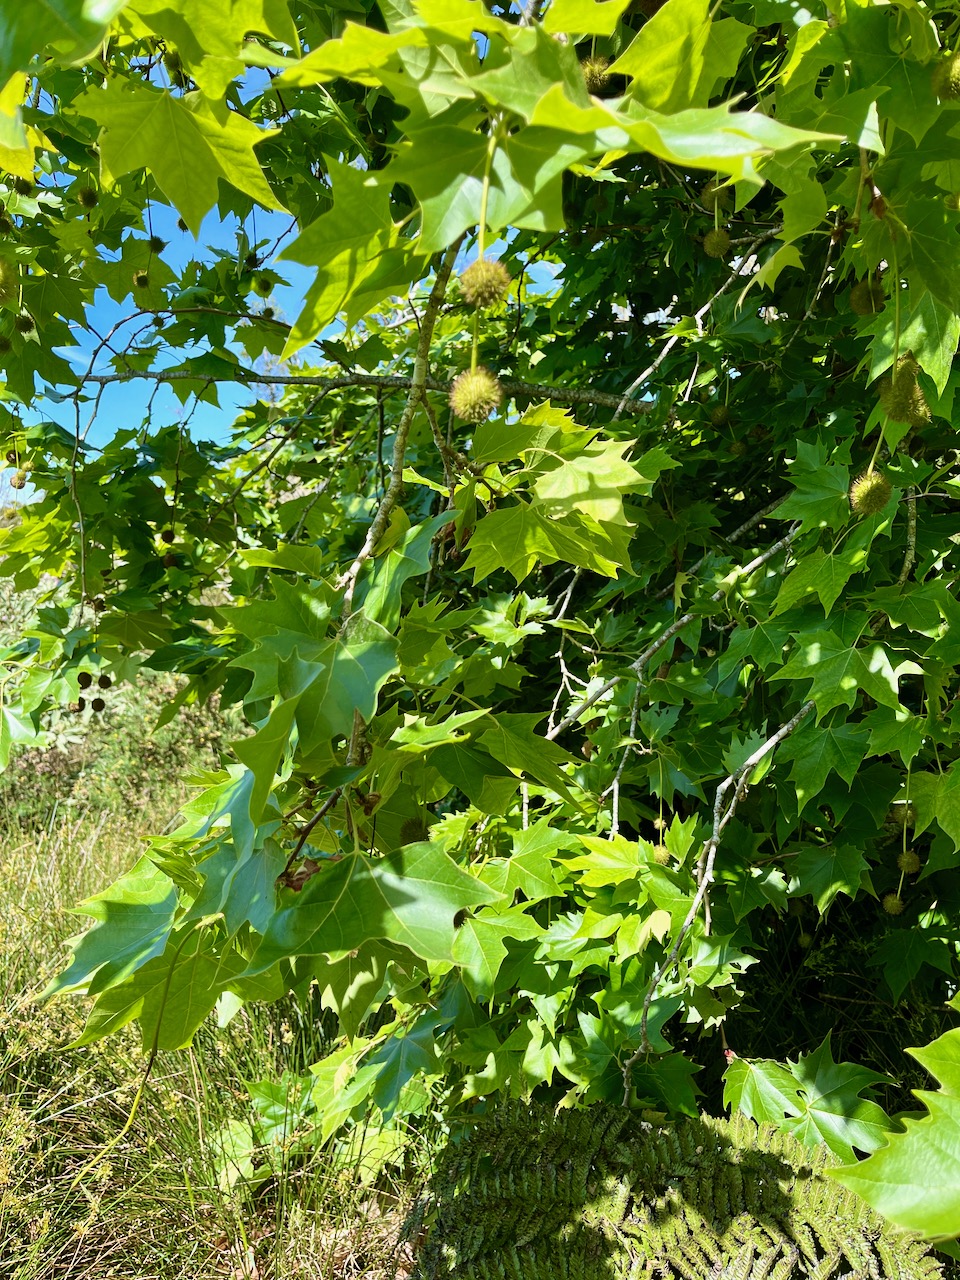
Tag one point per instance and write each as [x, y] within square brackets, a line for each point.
[596, 74]
[902, 396]
[87, 198]
[475, 394]
[9, 281]
[720, 416]
[485, 283]
[97, 705]
[6, 224]
[738, 448]
[262, 286]
[167, 536]
[18, 480]
[23, 187]
[104, 682]
[267, 313]
[5, 344]
[893, 904]
[946, 78]
[870, 493]
[661, 854]
[909, 862]
[169, 560]
[805, 940]
[866, 298]
[156, 245]
[413, 830]
[716, 243]
[84, 679]
[140, 279]
[710, 195]
[251, 262]
[24, 323]
[904, 815]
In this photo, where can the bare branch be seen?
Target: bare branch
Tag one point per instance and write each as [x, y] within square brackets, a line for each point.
[910, 554]
[723, 811]
[638, 665]
[348, 582]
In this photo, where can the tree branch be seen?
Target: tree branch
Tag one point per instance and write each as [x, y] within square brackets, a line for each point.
[421, 366]
[722, 813]
[638, 665]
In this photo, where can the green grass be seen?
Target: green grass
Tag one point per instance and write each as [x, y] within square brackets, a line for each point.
[158, 1204]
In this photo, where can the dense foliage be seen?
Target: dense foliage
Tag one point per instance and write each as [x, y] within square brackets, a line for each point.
[593, 615]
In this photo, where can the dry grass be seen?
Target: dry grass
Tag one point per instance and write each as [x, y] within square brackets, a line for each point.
[157, 1206]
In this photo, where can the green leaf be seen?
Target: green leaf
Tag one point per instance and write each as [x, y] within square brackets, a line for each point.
[513, 742]
[904, 952]
[667, 56]
[837, 673]
[585, 17]
[763, 1090]
[816, 750]
[914, 1181]
[820, 498]
[825, 872]
[134, 918]
[480, 945]
[832, 1110]
[189, 144]
[26, 30]
[403, 1056]
[937, 796]
[409, 897]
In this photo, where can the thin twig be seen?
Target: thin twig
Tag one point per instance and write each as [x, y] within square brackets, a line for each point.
[348, 581]
[723, 811]
[638, 665]
[910, 554]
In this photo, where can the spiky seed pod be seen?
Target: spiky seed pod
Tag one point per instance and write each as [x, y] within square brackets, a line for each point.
[716, 243]
[908, 862]
[866, 298]
[485, 283]
[262, 286]
[251, 262]
[892, 904]
[596, 74]
[661, 854]
[104, 682]
[9, 281]
[902, 396]
[87, 198]
[475, 394]
[738, 448]
[946, 78]
[903, 815]
[5, 344]
[6, 224]
[711, 195]
[167, 536]
[23, 186]
[720, 416]
[413, 830]
[140, 280]
[18, 480]
[870, 493]
[84, 679]
[805, 940]
[169, 560]
[24, 323]
[267, 313]
[156, 245]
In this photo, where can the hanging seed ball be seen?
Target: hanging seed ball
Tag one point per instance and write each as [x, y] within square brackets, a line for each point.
[870, 493]
[263, 286]
[9, 281]
[902, 396]
[167, 536]
[716, 243]
[87, 198]
[908, 862]
[711, 194]
[485, 283]
[156, 245]
[739, 448]
[5, 344]
[596, 74]
[18, 480]
[140, 279]
[475, 394]
[720, 416]
[892, 904]
[413, 831]
[946, 78]
[84, 679]
[104, 682]
[866, 298]
[661, 854]
[97, 705]
[23, 186]
[24, 323]
[6, 224]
